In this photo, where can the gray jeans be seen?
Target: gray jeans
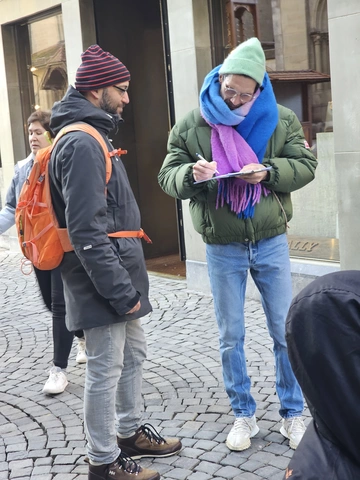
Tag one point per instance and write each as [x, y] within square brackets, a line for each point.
[113, 381]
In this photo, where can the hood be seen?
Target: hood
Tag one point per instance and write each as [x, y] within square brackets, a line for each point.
[323, 336]
[74, 107]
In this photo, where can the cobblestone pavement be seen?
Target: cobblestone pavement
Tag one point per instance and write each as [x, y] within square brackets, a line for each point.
[42, 437]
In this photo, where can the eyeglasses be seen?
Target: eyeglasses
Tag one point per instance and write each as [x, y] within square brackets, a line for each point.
[121, 90]
[231, 94]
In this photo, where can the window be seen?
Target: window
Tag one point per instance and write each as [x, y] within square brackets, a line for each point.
[234, 21]
[241, 21]
[40, 72]
[48, 61]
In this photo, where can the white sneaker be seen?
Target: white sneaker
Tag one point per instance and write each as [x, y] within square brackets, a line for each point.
[293, 428]
[239, 436]
[81, 353]
[56, 383]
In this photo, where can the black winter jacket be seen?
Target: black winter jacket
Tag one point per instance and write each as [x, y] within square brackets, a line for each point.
[323, 336]
[103, 278]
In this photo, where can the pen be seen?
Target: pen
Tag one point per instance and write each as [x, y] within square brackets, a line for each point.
[202, 158]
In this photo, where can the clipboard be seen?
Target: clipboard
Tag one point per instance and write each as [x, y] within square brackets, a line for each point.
[235, 174]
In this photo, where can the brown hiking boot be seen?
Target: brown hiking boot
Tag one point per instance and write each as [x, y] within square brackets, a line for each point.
[147, 442]
[124, 468]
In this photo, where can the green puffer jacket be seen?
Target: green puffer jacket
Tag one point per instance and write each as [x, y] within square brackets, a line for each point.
[293, 166]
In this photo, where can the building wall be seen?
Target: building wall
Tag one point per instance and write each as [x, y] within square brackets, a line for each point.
[344, 21]
[191, 61]
[315, 214]
[12, 146]
[290, 33]
[315, 205]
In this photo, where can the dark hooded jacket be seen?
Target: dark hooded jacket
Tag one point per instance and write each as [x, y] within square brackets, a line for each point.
[103, 278]
[323, 335]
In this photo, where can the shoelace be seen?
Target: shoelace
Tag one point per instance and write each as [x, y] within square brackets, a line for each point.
[54, 375]
[152, 434]
[127, 464]
[243, 424]
[296, 425]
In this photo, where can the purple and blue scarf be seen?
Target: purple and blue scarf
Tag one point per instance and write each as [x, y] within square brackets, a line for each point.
[237, 140]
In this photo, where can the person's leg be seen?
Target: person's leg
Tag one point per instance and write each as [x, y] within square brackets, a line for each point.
[134, 439]
[228, 266]
[62, 338]
[270, 268]
[105, 349]
[129, 402]
[43, 278]
[105, 352]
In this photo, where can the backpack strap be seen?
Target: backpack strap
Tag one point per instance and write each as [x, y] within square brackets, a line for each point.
[131, 233]
[85, 127]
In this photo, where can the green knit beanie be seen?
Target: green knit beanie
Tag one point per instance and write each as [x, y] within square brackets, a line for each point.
[248, 58]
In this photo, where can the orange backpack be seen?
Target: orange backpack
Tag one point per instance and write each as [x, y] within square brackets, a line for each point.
[41, 239]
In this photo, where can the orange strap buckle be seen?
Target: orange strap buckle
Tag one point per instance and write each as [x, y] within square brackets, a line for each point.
[118, 152]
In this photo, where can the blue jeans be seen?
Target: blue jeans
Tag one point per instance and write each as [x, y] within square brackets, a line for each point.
[269, 265]
[113, 381]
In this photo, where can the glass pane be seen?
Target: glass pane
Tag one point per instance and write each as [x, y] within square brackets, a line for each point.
[48, 61]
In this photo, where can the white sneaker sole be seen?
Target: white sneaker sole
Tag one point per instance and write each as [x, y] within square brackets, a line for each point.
[245, 444]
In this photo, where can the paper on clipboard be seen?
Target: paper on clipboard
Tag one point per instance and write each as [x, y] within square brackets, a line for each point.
[234, 174]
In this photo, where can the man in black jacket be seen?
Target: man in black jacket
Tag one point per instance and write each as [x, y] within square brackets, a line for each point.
[105, 280]
[323, 336]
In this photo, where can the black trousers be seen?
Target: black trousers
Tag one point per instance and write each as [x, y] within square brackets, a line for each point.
[51, 287]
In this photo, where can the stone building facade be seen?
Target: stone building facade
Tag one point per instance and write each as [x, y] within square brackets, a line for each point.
[169, 46]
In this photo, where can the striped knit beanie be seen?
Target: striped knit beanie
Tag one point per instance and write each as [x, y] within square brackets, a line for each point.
[99, 69]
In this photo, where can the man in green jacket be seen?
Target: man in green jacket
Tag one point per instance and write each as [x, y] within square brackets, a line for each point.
[243, 219]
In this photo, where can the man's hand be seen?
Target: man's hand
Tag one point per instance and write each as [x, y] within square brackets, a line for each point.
[253, 178]
[203, 170]
[134, 309]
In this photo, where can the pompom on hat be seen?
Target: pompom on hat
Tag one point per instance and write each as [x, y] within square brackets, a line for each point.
[99, 69]
[248, 58]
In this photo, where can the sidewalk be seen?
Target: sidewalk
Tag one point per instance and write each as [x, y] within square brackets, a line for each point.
[42, 438]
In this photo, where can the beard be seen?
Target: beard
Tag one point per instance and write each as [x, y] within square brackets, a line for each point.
[106, 105]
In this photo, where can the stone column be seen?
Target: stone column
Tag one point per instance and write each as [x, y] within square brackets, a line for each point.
[316, 38]
[74, 31]
[278, 34]
[317, 41]
[345, 70]
[191, 61]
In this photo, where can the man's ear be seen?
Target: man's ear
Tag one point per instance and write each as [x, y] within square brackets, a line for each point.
[94, 96]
